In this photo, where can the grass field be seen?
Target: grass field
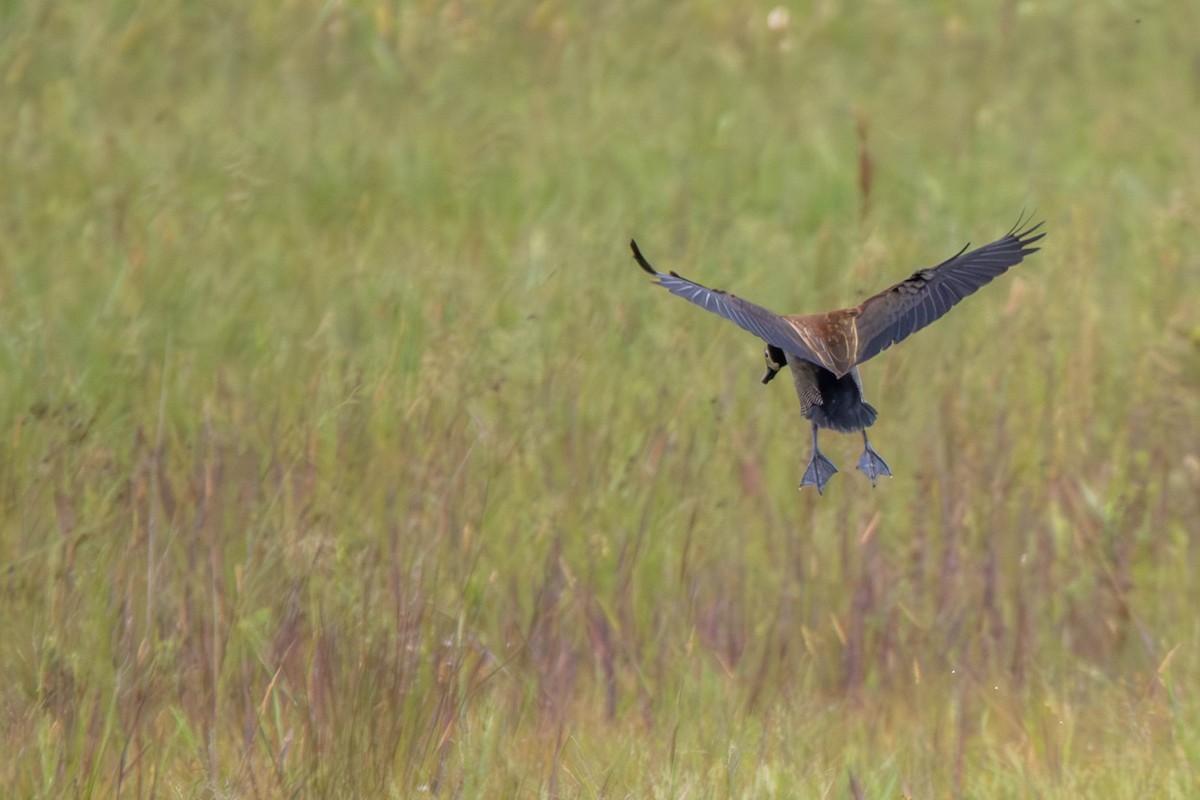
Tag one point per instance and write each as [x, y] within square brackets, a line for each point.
[347, 453]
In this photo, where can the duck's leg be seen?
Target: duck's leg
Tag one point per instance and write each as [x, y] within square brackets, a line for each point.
[871, 464]
[820, 469]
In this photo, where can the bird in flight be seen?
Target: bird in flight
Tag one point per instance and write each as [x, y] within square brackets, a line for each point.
[824, 350]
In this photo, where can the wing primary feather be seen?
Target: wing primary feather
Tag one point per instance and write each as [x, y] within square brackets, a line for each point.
[641, 259]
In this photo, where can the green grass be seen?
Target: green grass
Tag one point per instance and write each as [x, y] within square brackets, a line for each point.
[348, 453]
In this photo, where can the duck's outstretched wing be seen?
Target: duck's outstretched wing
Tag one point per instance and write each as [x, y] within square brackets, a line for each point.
[765, 324]
[900, 311]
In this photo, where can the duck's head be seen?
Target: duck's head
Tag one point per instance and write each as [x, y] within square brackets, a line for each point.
[776, 361]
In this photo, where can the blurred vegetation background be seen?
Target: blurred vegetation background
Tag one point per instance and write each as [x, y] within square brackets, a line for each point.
[347, 452]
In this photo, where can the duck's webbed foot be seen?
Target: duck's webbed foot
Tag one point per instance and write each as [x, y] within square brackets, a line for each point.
[871, 464]
[820, 469]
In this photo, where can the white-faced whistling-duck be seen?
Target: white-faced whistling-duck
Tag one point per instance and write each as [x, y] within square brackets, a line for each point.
[824, 350]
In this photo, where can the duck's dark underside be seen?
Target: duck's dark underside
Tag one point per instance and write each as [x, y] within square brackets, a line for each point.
[833, 402]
